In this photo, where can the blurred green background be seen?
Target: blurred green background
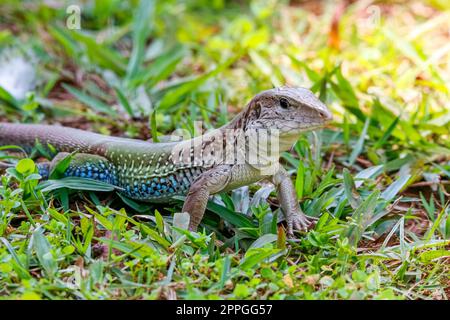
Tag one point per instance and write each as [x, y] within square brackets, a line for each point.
[377, 178]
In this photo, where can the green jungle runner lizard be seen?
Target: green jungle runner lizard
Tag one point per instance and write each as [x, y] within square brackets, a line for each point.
[155, 172]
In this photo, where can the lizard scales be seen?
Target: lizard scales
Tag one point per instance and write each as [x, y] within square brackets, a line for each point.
[153, 171]
[144, 170]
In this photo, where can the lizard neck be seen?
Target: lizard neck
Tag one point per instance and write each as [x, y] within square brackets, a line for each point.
[234, 143]
[240, 124]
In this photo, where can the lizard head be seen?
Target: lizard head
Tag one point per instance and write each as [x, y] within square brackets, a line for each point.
[289, 110]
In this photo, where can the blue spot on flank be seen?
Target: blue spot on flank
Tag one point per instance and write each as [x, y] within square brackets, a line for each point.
[102, 176]
[164, 187]
[128, 188]
[171, 190]
[153, 185]
[95, 175]
[144, 187]
[157, 193]
[163, 180]
[136, 190]
[158, 186]
[174, 181]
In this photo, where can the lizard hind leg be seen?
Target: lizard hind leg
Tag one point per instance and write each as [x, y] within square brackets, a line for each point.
[84, 165]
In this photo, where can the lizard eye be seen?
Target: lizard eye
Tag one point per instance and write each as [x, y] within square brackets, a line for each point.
[284, 103]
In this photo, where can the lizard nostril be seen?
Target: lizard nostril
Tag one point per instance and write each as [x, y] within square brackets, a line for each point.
[324, 115]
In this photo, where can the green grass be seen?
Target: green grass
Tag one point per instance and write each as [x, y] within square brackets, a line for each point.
[377, 179]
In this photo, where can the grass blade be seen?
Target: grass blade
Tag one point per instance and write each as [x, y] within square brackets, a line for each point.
[142, 26]
[360, 144]
[92, 102]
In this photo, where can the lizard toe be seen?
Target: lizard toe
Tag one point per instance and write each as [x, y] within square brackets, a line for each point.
[290, 235]
[301, 222]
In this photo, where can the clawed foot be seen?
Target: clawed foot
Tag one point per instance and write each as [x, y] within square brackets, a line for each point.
[300, 222]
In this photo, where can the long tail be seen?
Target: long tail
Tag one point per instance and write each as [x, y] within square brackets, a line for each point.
[4, 165]
[63, 139]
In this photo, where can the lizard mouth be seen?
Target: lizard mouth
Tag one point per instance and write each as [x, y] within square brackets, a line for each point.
[300, 127]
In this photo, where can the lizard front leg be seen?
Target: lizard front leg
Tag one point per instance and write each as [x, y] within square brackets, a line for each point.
[210, 182]
[295, 218]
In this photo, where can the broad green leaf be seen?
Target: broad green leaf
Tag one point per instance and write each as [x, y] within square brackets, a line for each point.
[7, 98]
[61, 167]
[429, 256]
[159, 222]
[43, 252]
[237, 219]
[76, 183]
[263, 240]
[18, 265]
[180, 221]
[255, 256]
[395, 187]
[25, 166]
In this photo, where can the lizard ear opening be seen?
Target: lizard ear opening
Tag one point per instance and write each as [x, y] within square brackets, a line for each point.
[257, 110]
